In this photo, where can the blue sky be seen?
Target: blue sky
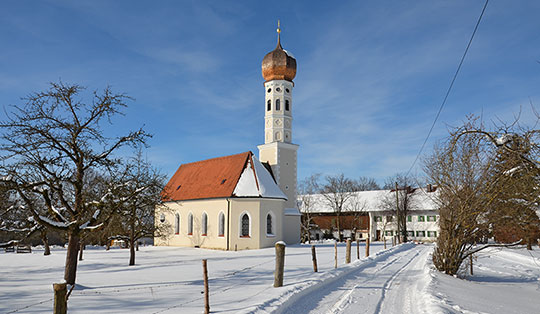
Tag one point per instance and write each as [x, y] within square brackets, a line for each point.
[371, 74]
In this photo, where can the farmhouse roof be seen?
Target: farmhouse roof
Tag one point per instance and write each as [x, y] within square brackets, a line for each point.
[240, 175]
[369, 201]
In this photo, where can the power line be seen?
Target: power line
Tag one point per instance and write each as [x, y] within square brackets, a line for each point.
[449, 88]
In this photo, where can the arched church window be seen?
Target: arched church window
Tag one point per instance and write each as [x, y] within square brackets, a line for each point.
[176, 224]
[268, 105]
[269, 90]
[221, 228]
[245, 226]
[278, 104]
[204, 224]
[287, 105]
[190, 224]
[269, 226]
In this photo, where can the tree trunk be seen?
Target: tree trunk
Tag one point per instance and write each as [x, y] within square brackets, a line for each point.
[131, 253]
[45, 243]
[132, 242]
[81, 249]
[71, 257]
[529, 243]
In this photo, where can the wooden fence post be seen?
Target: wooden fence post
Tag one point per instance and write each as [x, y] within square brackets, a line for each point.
[280, 263]
[470, 262]
[393, 240]
[384, 239]
[314, 258]
[60, 301]
[335, 254]
[367, 247]
[206, 294]
[348, 254]
[357, 249]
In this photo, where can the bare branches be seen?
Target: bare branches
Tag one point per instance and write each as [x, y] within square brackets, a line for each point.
[488, 183]
[58, 158]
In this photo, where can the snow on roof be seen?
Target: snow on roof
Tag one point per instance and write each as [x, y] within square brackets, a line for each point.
[369, 201]
[256, 181]
[267, 185]
[289, 53]
[247, 185]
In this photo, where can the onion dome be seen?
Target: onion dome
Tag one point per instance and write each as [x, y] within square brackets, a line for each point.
[279, 64]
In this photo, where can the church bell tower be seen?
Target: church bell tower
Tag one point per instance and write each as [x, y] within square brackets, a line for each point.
[278, 71]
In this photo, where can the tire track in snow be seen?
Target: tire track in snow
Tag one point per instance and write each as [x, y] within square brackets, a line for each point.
[390, 281]
[361, 290]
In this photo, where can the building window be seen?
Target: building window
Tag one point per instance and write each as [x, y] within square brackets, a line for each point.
[176, 224]
[204, 224]
[431, 218]
[269, 90]
[432, 234]
[268, 105]
[221, 225]
[278, 105]
[409, 218]
[389, 218]
[244, 226]
[420, 233]
[287, 90]
[162, 218]
[388, 233]
[269, 224]
[190, 224]
[378, 218]
[287, 105]
[421, 218]
[410, 233]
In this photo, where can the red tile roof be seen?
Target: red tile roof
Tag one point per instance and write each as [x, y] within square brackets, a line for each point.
[211, 178]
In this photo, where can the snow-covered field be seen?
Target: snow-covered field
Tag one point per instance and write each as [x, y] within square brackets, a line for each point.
[169, 280]
[505, 281]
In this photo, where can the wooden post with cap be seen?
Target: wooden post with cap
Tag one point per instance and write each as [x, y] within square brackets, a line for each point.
[280, 264]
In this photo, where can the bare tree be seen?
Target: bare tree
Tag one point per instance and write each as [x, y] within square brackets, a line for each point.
[366, 184]
[138, 191]
[49, 146]
[308, 188]
[469, 191]
[355, 207]
[15, 223]
[336, 191]
[513, 215]
[399, 201]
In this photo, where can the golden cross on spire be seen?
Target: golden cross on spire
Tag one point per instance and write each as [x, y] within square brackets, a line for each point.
[278, 35]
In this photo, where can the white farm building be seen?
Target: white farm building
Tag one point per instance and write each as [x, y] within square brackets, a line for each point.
[369, 213]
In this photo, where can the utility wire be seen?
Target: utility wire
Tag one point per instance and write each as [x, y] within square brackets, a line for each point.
[449, 88]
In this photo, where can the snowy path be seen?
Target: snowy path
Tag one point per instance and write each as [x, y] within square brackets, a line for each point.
[389, 282]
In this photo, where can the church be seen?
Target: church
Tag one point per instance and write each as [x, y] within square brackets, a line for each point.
[241, 202]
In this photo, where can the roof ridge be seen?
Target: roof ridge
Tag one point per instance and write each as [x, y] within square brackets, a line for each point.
[216, 158]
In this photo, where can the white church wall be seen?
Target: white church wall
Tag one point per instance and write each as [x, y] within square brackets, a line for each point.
[291, 227]
[257, 209]
[196, 208]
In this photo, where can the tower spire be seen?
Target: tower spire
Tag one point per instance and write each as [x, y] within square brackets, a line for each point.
[278, 35]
